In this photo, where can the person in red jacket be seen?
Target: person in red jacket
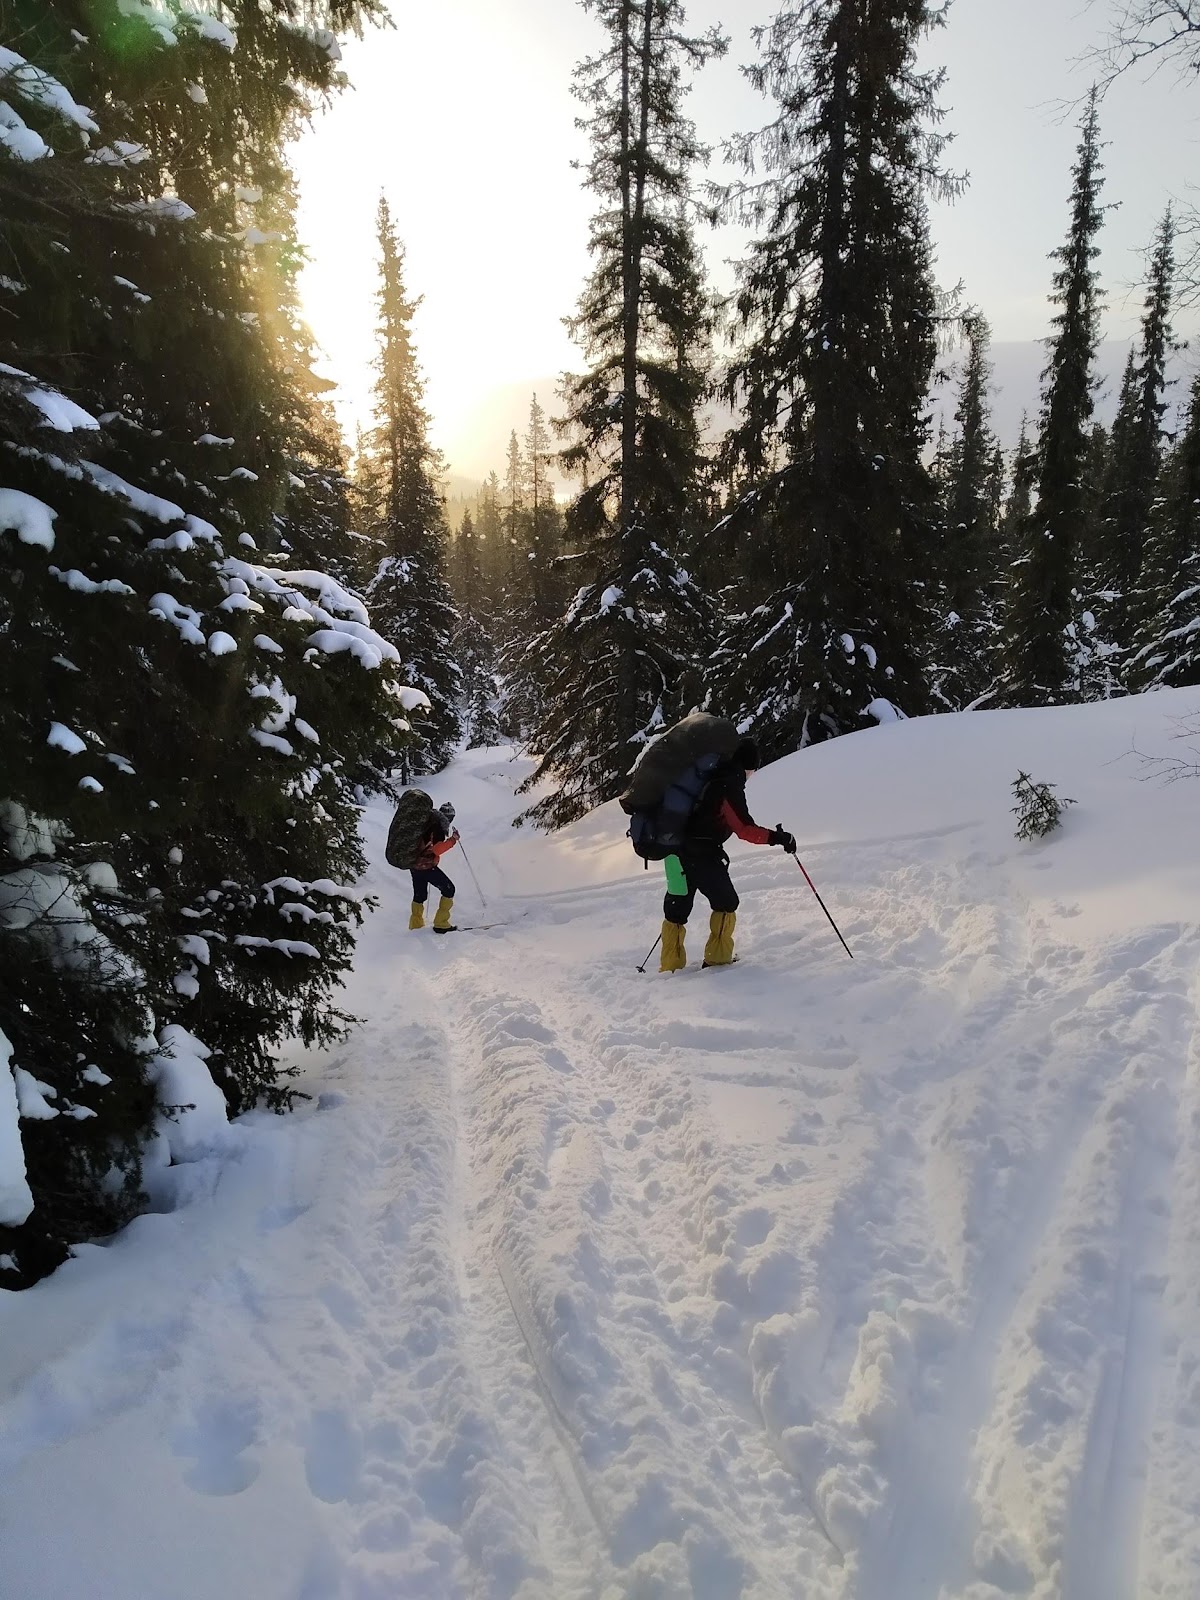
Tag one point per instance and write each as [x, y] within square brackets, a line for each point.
[703, 865]
[437, 841]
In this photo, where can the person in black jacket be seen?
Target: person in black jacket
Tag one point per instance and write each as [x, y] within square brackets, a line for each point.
[703, 866]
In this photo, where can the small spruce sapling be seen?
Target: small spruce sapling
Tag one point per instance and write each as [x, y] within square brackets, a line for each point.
[1038, 809]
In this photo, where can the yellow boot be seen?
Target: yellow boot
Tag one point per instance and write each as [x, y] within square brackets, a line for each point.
[674, 956]
[417, 915]
[718, 952]
[441, 921]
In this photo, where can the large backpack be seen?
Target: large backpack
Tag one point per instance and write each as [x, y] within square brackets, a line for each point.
[409, 829]
[669, 782]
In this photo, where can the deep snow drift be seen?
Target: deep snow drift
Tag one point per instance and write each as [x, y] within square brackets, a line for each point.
[807, 1278]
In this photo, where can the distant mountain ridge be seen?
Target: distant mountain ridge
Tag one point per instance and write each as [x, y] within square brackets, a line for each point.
[479, 446]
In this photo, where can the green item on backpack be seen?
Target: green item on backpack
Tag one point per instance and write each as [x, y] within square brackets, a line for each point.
[676, 877]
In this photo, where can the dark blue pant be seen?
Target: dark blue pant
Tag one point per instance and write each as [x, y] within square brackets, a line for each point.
[423, 880]
[710, 875]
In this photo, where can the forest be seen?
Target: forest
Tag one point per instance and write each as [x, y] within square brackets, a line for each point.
[224, 627]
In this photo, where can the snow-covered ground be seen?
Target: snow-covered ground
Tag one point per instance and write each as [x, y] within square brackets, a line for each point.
[806, 1278]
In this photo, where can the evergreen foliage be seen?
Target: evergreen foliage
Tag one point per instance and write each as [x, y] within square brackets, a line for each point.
[473, 644]
[838, 313]
[616, 665]
[1038, 809]
[1170, 655]
[184, 709]
[400, 508]
[967, 657]
[1135, 451]
[1041, 623]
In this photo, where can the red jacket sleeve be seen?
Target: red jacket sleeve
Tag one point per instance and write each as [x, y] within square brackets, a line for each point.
[441, 846]
[742, 826]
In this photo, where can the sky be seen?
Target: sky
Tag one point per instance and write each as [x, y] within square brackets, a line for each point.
[463, 116]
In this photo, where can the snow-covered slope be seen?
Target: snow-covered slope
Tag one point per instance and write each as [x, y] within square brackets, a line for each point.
[874, 1279]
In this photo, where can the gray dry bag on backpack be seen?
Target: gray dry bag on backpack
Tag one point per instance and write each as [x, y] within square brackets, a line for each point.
[668, 782]
[410, 825]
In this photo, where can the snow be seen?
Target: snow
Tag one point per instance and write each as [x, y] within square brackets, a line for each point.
[326, 41]
[271, 741]
[168, 206]
[850, 1280]
[39, 87]
[121, 153]
[56, 409]
[63, 738]
[208, 27]
[31, 520]
[184, 618]
[221, 644]
[18, 138]
[368, 653]
[194, 1120]
[288, 947]
[80, 583]
[33, 1097]
[884, 711]
[16, 1202]
[162, 23]
[194, 946]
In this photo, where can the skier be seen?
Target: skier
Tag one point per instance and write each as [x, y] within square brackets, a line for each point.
[703, 865]
[426, 870]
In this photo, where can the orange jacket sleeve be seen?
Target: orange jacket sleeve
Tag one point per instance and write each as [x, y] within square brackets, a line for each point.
[439, 849]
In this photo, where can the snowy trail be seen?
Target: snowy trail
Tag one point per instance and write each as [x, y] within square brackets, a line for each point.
[870, 1280]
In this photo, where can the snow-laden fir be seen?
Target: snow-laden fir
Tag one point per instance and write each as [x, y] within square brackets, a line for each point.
[811, 1277]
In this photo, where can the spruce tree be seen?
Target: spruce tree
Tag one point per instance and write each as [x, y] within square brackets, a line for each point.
[1168, 653]
[401, 507]
[969, 568]
[1136, 451]
[1041, 622]
[474, 648]
[611, 670]
[837, 312]
[547, 595]
[183, 711]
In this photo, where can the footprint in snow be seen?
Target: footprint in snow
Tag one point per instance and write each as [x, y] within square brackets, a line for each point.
[333, 1457]
[222, 1429]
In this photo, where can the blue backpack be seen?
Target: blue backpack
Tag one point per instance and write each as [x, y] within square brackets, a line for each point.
[661, 830]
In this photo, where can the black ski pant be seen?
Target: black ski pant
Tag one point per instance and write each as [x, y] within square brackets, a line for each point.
[422, 881]
[710, 875]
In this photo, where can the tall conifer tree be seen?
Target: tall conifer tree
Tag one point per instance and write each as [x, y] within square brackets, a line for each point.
[206, 703]
[612, 669]
[1135, 456]
[1168, 653]
[1041, 617]
[970, 567]
[838, 309]
[397, 481]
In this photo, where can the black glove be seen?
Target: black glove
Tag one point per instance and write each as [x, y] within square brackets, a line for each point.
[781, 836]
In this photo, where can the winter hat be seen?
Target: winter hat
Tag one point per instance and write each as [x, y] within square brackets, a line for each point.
[746, 755]
[446, 810]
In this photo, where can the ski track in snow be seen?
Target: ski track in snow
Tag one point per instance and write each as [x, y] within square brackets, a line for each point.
[851, 1281]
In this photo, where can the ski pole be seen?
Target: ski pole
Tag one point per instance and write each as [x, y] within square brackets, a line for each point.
[471, 870]
[650, 952]
[823, 906]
